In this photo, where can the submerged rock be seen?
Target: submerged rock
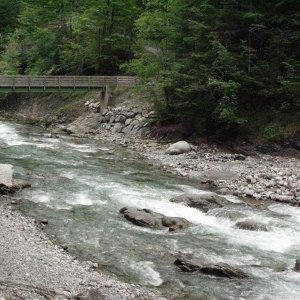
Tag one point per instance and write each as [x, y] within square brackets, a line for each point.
[219, 269]
[232, 215]
[179, 148]
[151, 219]
[251, 225]
[297, 266]
[204, 202]
[19, 185]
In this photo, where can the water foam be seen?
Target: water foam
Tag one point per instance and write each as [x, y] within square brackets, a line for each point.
[146, 273]
[80, 199]
[10, 136]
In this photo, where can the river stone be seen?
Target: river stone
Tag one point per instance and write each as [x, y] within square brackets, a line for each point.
[143, 217]
[117, 128]
[151, 219]
[252, 226]
[122, 119]
[204, 202]
[179, 148]
[128, 122]
[175, 224]
[219, 269]
[127, 129]
[297, 266]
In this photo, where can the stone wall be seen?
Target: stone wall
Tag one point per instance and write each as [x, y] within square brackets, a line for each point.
[134, 120]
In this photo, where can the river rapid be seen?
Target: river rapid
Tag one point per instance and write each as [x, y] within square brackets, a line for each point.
[80, 185]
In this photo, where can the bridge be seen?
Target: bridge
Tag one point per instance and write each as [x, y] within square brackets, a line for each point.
[20, 83]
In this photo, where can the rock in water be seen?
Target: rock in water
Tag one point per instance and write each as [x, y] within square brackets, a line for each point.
[204, 202]
[142, 217]
[297, 266]
[6, 173]
[219, 269]
[6, 181]
[251, 225]
[222, 270]
[151, 219]
[179, 148]
[174, 224]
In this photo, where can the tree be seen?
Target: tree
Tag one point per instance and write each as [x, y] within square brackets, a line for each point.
[215, 58]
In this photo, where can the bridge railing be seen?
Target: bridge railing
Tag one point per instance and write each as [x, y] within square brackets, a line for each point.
[65, 81]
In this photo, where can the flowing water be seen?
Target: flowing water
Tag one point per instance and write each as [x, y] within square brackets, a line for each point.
[80, 185]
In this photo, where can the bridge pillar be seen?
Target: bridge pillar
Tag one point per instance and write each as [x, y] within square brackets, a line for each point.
[105, 96]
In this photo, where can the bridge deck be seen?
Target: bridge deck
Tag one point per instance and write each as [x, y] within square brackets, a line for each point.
[61, 83]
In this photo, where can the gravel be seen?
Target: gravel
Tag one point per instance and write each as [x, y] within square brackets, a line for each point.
[259, 176]
[32, 267]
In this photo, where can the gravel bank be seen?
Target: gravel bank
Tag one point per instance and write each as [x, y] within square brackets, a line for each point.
[259, 176]
[32, 267]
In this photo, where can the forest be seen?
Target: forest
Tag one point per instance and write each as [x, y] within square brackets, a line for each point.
[223, 67]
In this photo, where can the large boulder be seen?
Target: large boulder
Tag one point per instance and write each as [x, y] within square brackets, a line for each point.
[7, 184]
[143, 217]
[204, 202]
[219, 269]
[6, 174]
[6, 178]
[252, 226]
[179, 148]
[151, 219]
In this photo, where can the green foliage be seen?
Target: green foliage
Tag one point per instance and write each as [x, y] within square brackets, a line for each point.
[11, 57]
[215, 58]
[198, 60]
[74, 37]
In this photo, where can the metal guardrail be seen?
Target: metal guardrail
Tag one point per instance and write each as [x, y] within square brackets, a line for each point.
[15, 83]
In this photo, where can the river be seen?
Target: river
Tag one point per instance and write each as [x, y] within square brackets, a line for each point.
[80, 185]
